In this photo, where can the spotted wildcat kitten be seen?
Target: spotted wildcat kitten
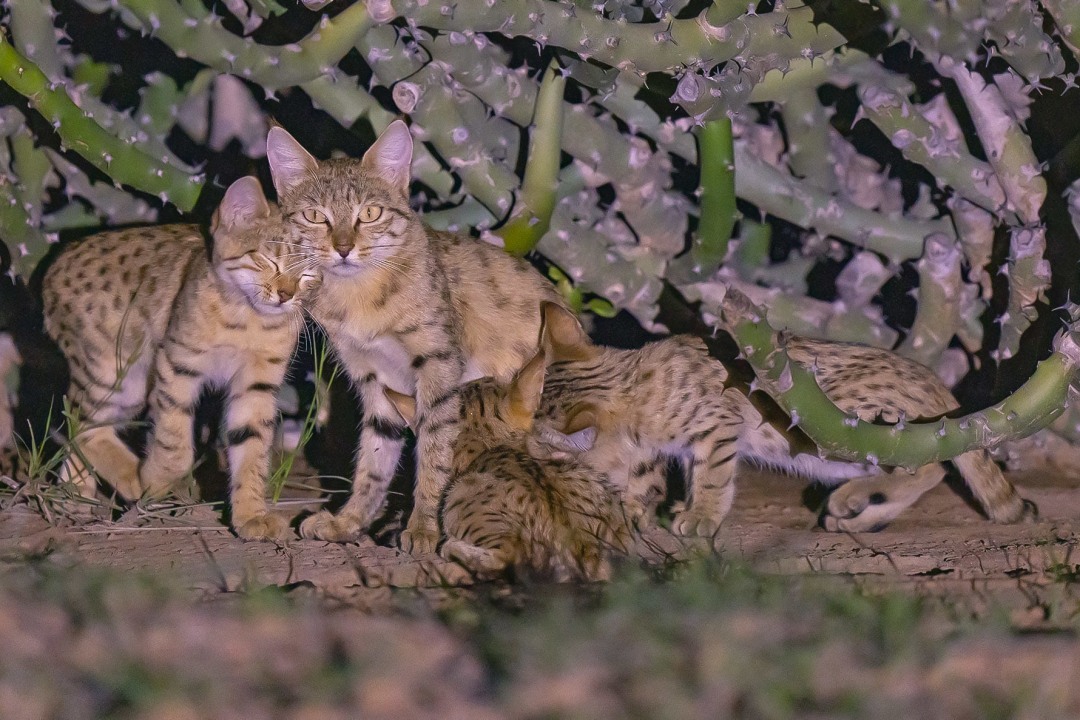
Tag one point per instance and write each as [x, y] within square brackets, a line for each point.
[406, 308]
[146, 319]
[671, 398]
[504, 508]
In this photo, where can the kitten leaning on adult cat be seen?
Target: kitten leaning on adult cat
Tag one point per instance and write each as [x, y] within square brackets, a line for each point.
[405, 307]
[670, 398]
[147, 318]
[505, 508]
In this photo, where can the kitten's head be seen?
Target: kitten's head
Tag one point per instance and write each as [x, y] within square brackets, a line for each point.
[348, 215]
[565, 427]
[250, 256]
[492, 413]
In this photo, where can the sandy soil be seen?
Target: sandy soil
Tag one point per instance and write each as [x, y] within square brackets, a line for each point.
[941, 546]
[346, 643]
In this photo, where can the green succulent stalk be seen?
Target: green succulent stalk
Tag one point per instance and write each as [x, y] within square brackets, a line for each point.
[905, 444]
[779, 194]
[807, 125]
[1066, 15]
[716, 155]
[532, 217]
[936, 146]
[938, 316]
[80, 132]
[203, 39]
[721, 33]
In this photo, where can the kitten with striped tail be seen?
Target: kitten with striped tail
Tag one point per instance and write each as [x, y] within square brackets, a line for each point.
[405, 307]
[672, 399]
[147, 317]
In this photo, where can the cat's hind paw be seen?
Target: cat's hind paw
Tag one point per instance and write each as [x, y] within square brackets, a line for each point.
[849, 511]
[695, 524]
[324, 525]
[268, 526]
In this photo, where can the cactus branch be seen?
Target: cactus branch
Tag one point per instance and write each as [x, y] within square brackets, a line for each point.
[1007, 147]
[346, 102]
[1033, 406]
[716, 155]
[719, 34]
[80, 132]
[937, 319]
[781, 195]
[532, 217]
[936, 146]
[203, 39]
[1066, 15]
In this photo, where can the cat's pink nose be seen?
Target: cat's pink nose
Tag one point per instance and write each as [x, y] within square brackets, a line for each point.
[285, 295]
[343, 251]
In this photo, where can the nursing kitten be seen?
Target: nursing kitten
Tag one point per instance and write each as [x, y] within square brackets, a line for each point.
[504, 508]
[406, 308]
[146, 320]
[670, 398]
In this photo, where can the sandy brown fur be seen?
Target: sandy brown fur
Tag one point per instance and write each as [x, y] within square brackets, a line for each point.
[504, 508]
[146, 320]
[671, 398]
[406, 308]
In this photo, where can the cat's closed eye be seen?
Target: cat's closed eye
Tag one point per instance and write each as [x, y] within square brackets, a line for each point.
[316, 217]
[250, 261]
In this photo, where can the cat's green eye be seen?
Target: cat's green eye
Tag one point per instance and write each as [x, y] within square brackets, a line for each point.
[314, 216]
[370, 213]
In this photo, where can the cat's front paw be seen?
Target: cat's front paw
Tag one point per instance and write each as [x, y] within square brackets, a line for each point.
[268, 526]
[324, 525]
[479, 561]
[420, 536]
[690, 523]
[155, 485]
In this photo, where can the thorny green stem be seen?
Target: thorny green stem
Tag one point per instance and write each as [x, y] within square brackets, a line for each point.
[716, 156]
[721, 33]
[931, 28]
[538, 197]
[910, 130]
[1033, 406]
[779, 194]
[1066, 15]
[118, 159]
[273, 68]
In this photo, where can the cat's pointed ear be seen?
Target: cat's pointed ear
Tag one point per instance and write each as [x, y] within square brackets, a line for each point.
[404, 404]
[290, 163]
[243, 203]
[582, 416]
[526, 389]
[391, 156]
[561, 334]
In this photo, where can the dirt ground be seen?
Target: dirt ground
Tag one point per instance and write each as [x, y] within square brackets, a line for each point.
[941, 546]
[168, 616]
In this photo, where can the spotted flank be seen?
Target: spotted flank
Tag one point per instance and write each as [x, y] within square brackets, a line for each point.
[147, 318]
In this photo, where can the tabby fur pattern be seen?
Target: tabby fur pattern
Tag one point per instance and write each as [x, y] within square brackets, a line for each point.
[147, 318]
[671, 399]
[406, 308]
[503, 508]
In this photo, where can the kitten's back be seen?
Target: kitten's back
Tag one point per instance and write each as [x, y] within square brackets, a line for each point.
[107, 293]
[550, 517]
